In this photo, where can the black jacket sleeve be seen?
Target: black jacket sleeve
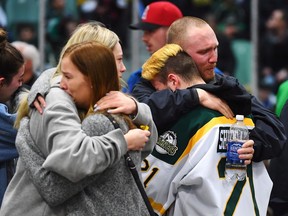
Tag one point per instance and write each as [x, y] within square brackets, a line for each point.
[269, 133]
[229, 89]
[166, 106]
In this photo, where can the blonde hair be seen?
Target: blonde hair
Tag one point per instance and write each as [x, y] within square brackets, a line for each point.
[157, 61]
[91, 31]
[22, 109]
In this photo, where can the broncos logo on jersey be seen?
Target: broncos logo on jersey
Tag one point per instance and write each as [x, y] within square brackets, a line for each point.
[167, 143]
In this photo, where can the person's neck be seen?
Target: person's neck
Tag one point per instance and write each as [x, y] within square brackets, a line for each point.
[195, 82]
[3, 98]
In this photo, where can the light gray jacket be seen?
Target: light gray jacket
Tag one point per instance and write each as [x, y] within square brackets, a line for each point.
[69, 151]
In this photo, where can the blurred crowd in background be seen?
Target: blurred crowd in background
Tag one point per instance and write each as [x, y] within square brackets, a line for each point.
[231, 20]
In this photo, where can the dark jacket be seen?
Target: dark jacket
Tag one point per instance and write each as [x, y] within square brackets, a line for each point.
[278, 171]
[167, 106]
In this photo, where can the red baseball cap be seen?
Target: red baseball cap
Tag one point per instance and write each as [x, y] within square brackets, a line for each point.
[158, 14]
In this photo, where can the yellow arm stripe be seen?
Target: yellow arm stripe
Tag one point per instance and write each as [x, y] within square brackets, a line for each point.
[157, 206]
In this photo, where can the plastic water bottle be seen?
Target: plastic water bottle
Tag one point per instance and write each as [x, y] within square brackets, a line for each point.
[238, 134]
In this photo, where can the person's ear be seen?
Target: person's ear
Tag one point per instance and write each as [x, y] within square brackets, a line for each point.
[2, 81]
[173, 81]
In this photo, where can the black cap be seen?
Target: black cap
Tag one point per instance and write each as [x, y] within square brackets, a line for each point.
[144, 26]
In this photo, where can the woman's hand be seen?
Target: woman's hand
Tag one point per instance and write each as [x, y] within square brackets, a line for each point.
[117, 102]
[136, 139]
[212, 102]
[246, 152]
[39, 103]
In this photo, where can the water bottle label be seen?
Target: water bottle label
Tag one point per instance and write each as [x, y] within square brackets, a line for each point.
[232, 155]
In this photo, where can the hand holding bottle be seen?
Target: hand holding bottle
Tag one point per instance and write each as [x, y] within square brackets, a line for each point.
[246, 152]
